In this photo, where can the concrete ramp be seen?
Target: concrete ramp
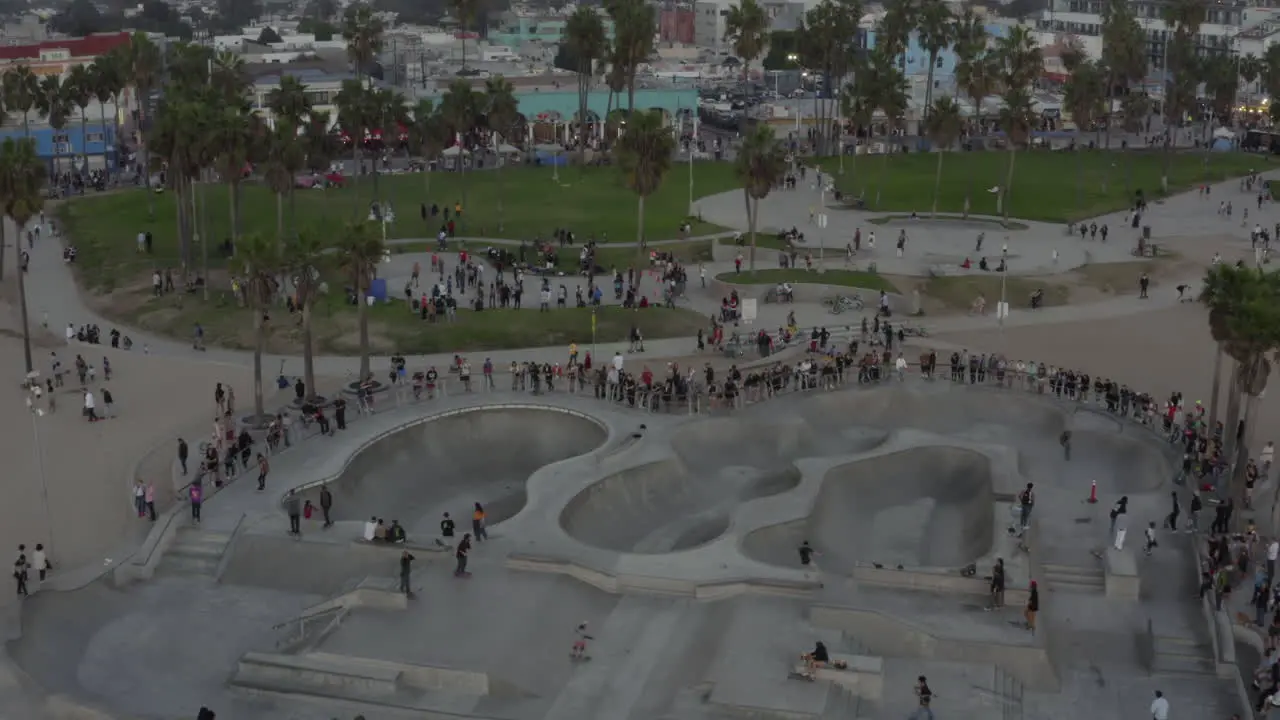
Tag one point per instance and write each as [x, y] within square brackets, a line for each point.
[370, 682]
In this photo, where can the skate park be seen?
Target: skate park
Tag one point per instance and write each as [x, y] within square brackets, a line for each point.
[674, 537]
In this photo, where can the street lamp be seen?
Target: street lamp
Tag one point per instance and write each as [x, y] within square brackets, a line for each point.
[1003, 308]
[38, 451]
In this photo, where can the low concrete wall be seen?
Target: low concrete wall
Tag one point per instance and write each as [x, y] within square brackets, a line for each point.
[862, 676]
[813, 292]
[625, 583]
[1121, 572]
[935, 581]
[880, 632]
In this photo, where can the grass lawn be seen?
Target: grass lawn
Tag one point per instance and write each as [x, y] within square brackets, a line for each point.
[590, 201]
[846, 278]
[958, 292]
[764, 239]
[1044, 182]
[392, 328]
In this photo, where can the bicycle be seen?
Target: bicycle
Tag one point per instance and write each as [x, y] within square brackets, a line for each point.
[841, 303]
[917, 331]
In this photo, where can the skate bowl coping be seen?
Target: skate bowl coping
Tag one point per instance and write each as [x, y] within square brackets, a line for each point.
[619, 584]
[812, 292]
[880, 632]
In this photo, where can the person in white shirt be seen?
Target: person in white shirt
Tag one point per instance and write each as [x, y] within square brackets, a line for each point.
[617, 361]
[1273, 551]
[71, 332]
[1159, 707]
[1265, 458]
[40, 561]
[370, 527]
[901, 365]
[90, 406]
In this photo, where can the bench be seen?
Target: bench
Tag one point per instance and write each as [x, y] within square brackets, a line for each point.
[861, 675]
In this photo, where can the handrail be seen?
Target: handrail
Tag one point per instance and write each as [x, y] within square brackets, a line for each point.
[309, 616]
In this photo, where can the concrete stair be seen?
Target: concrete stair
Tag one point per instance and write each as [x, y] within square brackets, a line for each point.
[1182, 656]
[1073, 577]
[194, 552]
[841, 704]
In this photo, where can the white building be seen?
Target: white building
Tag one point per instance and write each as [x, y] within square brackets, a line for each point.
[711, 16]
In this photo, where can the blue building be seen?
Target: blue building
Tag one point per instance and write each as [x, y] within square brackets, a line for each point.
[69, 145]
[915, 61]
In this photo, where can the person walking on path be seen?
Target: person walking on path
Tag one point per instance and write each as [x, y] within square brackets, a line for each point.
[1026, 501]
[294, 508]
[478, 524]
[149, 498]
[140, 498]
[183, 451]
[195, 493]
[1159, 707]
[1065, 441]
[406, 567]
[1033, 607]
[263, 468]
[1171, 522]
[326, 504]
[20, 574]
[40, 561]
[464, 547]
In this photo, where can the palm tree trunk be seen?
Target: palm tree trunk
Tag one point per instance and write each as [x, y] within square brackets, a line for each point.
[18, 254]
[1168, 162]
[22, 294]
[102, 118]
[1079, 179]
[259, 340]
[231, 206]
[639, 241]
[146, 166]
[1233, 416]
[502, 187]
[204, 245]
[937, 183]
[84, 137]
[1008, 180]
[280, 218]
[751, 231]
[362, 311]
[1217, 384]
[308, 349]
[884, 171]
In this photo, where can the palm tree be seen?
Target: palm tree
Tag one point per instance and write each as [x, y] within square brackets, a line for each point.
[305, 258]
[937, 32]
[259, 264]
[360, 249]
[760, 164]
[144, 71]
[107, 82]
[943, 127]
[644, 153]
[501, 111]
[22, 93]
[388, 110]
[1124, 54]
[56, 105]
[353, 103]
[584, 34]
[747, 28]
[1084, 98]
[1250, 70]
[363, 31]
[285, 157]
[977, 74]
[1020, 64]
[22, 175]
[633, 22]
[1244, 317]
[234, 135]
[1183, 18]
[858, 108]
[887, 92]
[427, 136]
[466, 12]
[79, 91]
[459, 109]
[289, 101]
[318, 143]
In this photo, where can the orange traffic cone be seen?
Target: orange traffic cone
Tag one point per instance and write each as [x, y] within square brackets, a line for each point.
[1093, 492]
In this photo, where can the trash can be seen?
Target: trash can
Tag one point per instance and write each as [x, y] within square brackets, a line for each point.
[1146, 232]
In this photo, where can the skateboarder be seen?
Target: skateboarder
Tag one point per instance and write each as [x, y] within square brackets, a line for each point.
[580, 643]
[464, 547]
[406, 567]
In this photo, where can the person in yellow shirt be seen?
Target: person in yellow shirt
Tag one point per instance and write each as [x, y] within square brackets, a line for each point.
[573, 353]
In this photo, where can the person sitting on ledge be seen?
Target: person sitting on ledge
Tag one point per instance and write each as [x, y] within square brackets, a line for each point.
[816, 659]
[966, 264]
[380, 532]
[395, 533]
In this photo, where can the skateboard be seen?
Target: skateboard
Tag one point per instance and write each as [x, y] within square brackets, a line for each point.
[462, 575]
[793, 675]
[579, 658]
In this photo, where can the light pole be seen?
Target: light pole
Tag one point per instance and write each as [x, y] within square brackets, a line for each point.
[38, 451]
[1003, 308]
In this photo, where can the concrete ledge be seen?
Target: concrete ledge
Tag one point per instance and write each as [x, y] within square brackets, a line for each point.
[862, 676]
[935, 581]
[422, 677]
[1029, 664]
[398, 547]
[1121, 570]
[627, 583]
[319, 672]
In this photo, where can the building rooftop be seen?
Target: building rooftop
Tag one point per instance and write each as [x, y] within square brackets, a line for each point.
[91, 46]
